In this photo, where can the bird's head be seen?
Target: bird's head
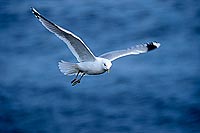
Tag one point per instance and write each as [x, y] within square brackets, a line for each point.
[106, 64]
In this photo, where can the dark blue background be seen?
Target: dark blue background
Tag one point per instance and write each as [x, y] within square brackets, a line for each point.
[157, 92]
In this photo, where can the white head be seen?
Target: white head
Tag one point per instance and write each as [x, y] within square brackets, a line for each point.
[106, 64]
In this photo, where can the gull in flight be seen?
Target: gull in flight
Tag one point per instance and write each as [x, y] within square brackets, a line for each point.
[88, 63]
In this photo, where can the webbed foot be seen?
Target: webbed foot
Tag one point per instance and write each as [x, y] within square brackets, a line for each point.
[75, 82]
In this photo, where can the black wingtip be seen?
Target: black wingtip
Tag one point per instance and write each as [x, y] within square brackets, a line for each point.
[34, 11]
[153, 45]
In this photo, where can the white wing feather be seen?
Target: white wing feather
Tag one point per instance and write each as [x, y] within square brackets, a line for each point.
[138, 49]
[74, 43]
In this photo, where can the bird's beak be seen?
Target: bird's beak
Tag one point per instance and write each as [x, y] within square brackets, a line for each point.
[108, 70]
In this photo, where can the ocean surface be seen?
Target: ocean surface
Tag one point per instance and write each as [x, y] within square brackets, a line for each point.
[157, 92]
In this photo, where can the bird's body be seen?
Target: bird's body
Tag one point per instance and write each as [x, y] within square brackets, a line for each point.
[96, 67]
[87, 62]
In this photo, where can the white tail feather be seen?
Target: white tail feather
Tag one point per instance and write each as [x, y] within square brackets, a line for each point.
[67, 68]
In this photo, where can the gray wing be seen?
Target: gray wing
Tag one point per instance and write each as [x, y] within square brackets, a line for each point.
[138, 49]
[74, 43]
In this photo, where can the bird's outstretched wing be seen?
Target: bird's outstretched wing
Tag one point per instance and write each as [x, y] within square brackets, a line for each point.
[138, 49]
[74, 43]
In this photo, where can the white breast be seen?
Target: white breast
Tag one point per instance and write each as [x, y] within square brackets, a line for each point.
[91, 68]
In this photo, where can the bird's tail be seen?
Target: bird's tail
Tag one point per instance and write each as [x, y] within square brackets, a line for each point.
[67, 68]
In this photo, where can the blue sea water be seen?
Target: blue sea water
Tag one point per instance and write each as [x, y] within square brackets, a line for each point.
[157, 92]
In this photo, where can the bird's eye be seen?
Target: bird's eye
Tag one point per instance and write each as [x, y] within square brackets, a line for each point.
[104, 64]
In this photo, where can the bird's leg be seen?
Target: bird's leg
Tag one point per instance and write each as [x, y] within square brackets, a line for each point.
[75, 77]
[78, 81]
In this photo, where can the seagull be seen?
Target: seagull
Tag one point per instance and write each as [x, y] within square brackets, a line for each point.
[88, 63]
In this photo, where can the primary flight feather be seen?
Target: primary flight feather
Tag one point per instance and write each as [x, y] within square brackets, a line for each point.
[88, 63]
